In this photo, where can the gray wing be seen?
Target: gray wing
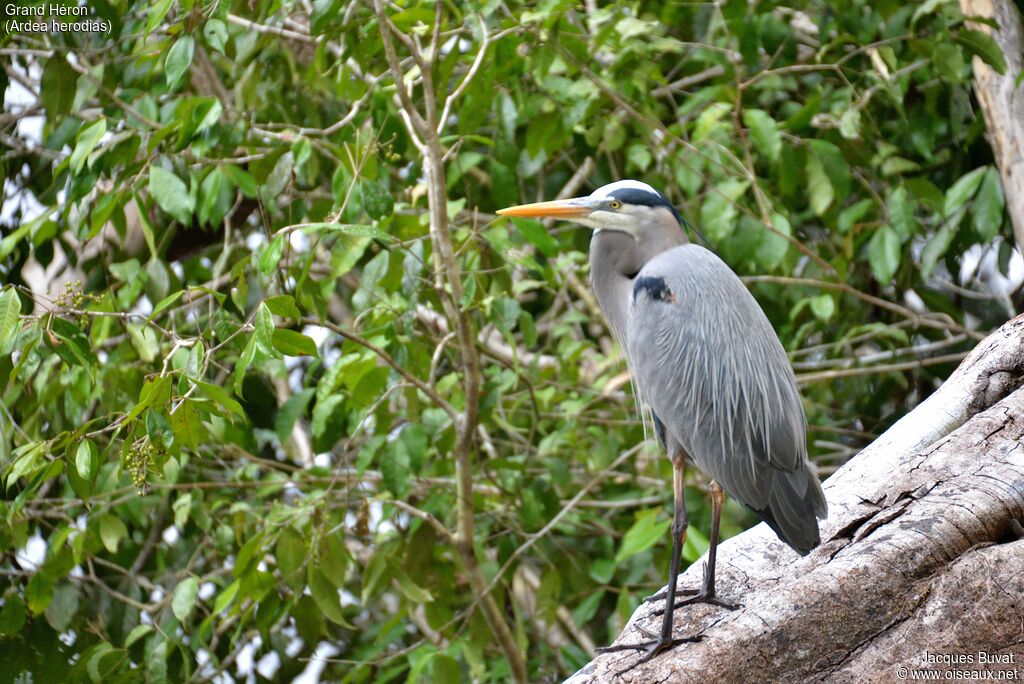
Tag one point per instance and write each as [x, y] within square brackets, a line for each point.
[713, 371]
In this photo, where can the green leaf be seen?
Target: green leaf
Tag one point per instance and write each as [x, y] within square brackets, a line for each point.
[901, 214]
[936, 249]
[283, 306]
[137, 633]
[87, 139]
[986, 211]
[171, 194]
[164, 303]
[184, 599]
[63, 607]
[290, 411]
[884, 254]
[823, 306]
[57, 89]
[244, 361]
[290, 554]
[278, 178]
[179, 58]
[220, 395]
[819, 185]
[536, 235]
[39, 593]
[326, 597]
[377, 202]
[12, 614]
[774, 246]
[187, 425]
[334, 559]
[353, 229]
[270, 259]
[225, 597]
[156, 14]
[112, 531]
[764, 133]
[948, 60]
[394, 469]
[835, 167]
[645, 533]
[87, 460]
[718, 212]
[292, 343]
[963, 190]
[182, 510]
[216, 33]
[264, 324]
[10, 309]
[984, 46]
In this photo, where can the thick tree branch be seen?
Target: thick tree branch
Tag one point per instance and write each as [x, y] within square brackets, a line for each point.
[1002, 102]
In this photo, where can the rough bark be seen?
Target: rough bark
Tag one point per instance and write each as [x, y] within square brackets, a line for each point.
[1002, 102]
[921, 554]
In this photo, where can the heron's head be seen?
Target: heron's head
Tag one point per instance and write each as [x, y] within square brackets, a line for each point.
[626, 206]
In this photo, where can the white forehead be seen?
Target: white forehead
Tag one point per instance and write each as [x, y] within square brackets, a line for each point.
[629, 184]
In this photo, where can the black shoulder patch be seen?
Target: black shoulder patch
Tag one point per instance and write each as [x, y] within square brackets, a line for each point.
[656, 288]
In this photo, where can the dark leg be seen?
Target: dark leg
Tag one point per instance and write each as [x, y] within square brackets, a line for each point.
[706, 594]
[659, 643]
[707, 590]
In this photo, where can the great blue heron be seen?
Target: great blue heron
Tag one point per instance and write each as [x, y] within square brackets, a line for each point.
[707, 362]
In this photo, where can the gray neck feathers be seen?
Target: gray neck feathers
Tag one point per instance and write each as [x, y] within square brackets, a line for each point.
[615, 259]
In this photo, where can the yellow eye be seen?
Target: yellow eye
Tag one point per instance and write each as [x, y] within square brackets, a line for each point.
[615, 204]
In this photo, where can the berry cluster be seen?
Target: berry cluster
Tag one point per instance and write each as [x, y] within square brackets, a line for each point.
[140, 457]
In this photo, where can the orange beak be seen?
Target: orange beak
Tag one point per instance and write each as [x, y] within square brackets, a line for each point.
[559, 209]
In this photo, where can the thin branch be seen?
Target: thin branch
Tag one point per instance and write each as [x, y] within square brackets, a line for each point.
[468, 78]
[390, 360]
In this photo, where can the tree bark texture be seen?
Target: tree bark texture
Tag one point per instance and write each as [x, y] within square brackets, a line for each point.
[1002, 102]
[921, 554]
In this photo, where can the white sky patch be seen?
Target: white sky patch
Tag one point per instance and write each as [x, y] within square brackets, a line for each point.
[295, 644]
[311, 675]
[299, 241]
[34, 553]
[245, 663]
[255, 240]
[268, 665]
[171, 535]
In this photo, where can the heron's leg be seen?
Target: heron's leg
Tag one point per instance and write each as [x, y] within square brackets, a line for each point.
[707, 590]
[659, 643]
[706, 593]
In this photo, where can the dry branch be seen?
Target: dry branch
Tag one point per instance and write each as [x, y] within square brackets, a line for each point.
[1002, 101]
[920, 554]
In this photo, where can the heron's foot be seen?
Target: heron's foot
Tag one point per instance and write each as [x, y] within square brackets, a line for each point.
[654, 645]
[660, 596]
[701, 597]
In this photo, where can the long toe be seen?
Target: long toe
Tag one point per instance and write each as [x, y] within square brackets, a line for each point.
[712, 600]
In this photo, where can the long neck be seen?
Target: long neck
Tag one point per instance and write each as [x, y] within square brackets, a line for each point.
[614, 262]
[615, 259]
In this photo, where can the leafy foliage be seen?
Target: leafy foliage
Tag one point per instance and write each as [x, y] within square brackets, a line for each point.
[243, 430]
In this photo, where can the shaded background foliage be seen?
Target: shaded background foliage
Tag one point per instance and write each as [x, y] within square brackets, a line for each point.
[230, 402]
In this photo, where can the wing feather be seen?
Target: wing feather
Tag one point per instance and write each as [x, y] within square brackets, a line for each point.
[710, 366]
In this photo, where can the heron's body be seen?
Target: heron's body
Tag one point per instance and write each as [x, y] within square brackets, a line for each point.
[705, 359]
[734, 409]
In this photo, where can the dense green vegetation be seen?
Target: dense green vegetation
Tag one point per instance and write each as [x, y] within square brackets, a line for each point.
[297, 355]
